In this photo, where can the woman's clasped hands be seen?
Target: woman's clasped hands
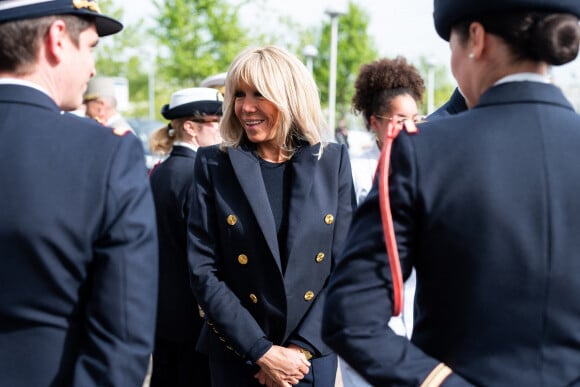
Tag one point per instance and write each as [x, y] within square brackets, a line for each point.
[282, 366]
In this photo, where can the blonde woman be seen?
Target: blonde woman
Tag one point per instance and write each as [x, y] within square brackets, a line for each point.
[272, 204]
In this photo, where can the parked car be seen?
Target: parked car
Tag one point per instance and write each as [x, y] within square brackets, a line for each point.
[143, 128]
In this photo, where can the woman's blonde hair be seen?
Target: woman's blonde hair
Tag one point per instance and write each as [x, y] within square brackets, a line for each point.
[161, 141]
[283, 80]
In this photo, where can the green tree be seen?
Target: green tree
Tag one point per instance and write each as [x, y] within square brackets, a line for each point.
[119, 55]
[197, 38]
[355, 47]
[443, 86]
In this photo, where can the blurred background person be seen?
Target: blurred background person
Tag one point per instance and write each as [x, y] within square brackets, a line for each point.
[272, 206]
[194, 116]
[78, 268]
[101, 104]
[485, 205]
[385, 89]
[341, 133]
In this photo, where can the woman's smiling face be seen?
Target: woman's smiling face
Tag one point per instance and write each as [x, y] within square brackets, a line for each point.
[258, 116]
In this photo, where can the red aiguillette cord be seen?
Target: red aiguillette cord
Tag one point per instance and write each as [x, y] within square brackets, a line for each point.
[386, 216]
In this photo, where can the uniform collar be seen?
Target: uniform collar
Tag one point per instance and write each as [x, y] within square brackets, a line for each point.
[186, 145]
[522, 77]
[22, 82]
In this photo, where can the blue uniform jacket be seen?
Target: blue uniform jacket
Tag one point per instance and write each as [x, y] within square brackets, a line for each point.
[178, 318]
[237, 277]
[78, 248]
[455, 104]
[486, 208]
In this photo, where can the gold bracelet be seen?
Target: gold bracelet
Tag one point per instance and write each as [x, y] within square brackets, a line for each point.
[306, 353]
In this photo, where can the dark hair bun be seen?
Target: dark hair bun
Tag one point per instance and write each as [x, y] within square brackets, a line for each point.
[556, 39]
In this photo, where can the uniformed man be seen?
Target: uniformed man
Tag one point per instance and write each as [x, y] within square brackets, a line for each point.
[485, 207]
[78, 267]
[100, 100]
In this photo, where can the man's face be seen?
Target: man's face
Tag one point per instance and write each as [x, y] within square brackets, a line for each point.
[93, 109]
[79, 67]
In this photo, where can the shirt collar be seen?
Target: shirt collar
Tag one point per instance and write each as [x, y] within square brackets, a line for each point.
[187, 145]
[523, 77]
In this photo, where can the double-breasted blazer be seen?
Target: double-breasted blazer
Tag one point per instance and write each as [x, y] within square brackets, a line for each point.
[178, 318]
[78, 248]
[485, 206]
[250, 301]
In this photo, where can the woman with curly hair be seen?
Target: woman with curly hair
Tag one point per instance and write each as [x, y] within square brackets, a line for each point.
[385, 90]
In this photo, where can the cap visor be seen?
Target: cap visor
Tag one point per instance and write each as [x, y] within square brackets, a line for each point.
[107, 26]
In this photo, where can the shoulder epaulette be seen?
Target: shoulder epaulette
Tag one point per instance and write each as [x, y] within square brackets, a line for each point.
[121, 131]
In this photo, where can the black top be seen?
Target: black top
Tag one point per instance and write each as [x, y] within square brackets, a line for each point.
[277, 181]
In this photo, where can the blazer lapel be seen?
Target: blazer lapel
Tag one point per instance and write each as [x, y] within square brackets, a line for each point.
[247, 169]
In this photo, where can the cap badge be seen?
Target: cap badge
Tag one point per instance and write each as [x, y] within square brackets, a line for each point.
[89, 4]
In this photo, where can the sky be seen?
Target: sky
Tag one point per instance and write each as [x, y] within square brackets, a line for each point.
[398, 27]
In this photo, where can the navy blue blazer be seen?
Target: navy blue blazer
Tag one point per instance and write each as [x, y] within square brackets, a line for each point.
[178, 318]
[78, 273]
[485, 206]
[250, 303]
[455, 104]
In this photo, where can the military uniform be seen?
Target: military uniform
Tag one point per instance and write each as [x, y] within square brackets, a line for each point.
[78, 267]
[485, 208]
[251, 298]
[78, 274]
[175, 361]
[455, 104]
[178, 320]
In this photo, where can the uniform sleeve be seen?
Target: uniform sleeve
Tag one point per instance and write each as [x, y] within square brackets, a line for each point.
[122, 288]
[359, 300]
[230, 321]
[309, 330]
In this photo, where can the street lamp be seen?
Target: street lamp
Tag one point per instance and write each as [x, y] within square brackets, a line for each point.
[334, 14]
[310, 52]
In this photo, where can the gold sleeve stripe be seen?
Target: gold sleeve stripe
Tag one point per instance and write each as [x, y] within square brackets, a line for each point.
[437, 376]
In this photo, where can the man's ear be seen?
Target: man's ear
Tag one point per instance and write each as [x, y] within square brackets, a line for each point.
[56, 40]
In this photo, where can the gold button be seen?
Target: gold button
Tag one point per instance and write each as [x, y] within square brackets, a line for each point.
[253, 298]
[319, 257]
[243, 259]
[309, 295]
[232, 220]
[329, 219]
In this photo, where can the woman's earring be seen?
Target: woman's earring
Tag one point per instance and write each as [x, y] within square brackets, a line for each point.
[471, 55]
[170, 130]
